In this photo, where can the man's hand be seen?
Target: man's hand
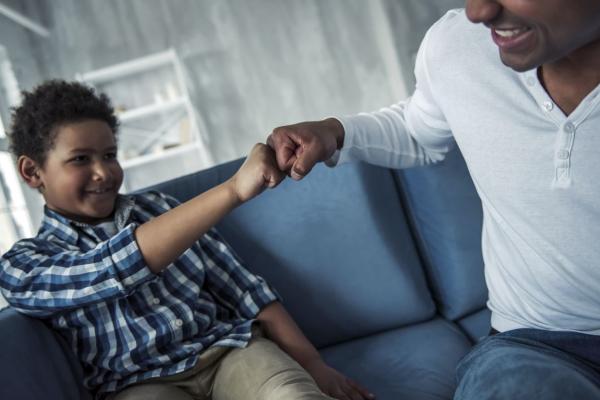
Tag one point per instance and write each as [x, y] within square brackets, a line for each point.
[300, 146]
[334, 384]
[258, 172]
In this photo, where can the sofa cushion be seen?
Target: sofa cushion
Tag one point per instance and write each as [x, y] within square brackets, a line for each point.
[445, 213]
[415, 362]
[36, 363]
[335, 245]
[476, 325]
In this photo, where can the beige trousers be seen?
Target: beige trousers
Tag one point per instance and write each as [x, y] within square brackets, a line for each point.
[260, 371]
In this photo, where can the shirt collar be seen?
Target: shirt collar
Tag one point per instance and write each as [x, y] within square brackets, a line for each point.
[68, 229]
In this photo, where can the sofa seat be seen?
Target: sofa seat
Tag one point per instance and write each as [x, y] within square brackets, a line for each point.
[416, 362]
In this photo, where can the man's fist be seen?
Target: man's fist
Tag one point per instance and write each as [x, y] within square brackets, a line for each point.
[300, 146]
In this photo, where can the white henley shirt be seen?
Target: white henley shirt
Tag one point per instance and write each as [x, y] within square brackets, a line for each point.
[536, 170]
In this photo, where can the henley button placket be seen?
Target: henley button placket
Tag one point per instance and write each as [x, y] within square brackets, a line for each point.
[562, 177]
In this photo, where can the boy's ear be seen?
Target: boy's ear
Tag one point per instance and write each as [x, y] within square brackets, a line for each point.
[29, 171]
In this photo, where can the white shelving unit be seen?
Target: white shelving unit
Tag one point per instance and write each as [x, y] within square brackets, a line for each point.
[161, 138]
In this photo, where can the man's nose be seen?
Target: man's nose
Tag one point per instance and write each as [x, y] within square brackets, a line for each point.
[483, 11]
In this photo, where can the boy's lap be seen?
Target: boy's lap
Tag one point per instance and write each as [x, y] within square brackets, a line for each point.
[152, 391]
[260, 370]
[263, 371]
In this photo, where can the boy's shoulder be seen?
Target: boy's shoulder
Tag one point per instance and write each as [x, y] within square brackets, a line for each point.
[154, 197]
[54, 237]
[28, 247]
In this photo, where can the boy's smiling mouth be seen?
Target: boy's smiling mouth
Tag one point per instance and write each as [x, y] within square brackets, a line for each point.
[100, 190]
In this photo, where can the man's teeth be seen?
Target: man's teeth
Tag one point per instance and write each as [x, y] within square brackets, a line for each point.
[510, 32]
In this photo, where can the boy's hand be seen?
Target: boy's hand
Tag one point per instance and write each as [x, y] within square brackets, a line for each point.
[334, 384]
[258, 172]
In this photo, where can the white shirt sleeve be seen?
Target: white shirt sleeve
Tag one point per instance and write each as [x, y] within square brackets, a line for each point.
[410, 133]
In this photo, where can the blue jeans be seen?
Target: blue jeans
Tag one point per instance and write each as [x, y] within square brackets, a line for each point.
[531, 364]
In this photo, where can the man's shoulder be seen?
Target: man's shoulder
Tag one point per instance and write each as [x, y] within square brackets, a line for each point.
[455, 24]
[454, 37]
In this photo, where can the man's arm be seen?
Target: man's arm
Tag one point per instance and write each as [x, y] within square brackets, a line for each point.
[167, 236]
[409, 133]
[281, 328]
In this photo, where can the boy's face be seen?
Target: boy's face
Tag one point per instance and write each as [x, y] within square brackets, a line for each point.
[81, 176]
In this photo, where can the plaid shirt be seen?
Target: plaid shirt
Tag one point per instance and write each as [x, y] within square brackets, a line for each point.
[125, 323]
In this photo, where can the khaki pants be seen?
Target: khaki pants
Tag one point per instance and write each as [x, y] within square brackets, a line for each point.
[260, 371]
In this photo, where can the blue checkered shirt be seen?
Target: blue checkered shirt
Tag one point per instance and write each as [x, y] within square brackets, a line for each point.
[125, 323]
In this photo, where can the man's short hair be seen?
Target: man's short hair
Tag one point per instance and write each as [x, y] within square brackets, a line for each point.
[47, 107]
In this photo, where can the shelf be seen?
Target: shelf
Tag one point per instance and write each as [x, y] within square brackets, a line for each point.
[148, 158]
[151, 109]
[154, 97]
[129, 67]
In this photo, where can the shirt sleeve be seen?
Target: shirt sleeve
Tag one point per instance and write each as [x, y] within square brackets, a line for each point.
[41, 279]
[410, 133]
[232, 285]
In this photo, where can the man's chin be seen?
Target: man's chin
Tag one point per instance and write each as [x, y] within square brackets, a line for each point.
[519, 64]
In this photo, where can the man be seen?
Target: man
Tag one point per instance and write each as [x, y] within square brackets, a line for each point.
[524, 109]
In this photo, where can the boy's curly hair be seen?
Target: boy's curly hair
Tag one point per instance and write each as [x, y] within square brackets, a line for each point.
[47, 107]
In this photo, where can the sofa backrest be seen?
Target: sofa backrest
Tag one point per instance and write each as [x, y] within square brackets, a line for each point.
[445, 213]
[335, 245]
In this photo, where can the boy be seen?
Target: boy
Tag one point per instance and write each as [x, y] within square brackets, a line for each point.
[144, 290]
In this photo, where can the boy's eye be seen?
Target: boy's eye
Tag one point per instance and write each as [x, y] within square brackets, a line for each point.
[110, 156]
[80, 158]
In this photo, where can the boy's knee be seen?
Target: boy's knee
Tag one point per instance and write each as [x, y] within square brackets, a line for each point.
[503, 369]
[263, 371]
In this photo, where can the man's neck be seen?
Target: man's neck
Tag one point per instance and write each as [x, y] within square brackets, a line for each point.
[569, 80]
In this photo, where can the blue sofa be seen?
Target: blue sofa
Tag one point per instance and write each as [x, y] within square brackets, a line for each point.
[382, 269]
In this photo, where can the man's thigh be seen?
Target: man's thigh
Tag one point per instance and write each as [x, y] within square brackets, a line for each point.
[516, 368]
[263, 371]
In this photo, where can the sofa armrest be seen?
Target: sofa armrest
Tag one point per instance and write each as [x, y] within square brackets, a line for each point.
[35, 362]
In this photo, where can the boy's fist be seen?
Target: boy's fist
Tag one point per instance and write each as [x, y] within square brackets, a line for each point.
[258, 172]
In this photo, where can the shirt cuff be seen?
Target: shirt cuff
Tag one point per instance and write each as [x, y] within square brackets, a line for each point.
[344, 155]
[257, 298]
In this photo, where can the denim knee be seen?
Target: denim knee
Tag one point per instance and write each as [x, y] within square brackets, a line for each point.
[511, 368]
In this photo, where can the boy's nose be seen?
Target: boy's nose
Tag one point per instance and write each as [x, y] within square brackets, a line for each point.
[483, 11]
[101, 172]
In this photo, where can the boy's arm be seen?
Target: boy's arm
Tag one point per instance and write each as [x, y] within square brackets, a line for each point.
[40, 279]
[167, 236]
[281, 328]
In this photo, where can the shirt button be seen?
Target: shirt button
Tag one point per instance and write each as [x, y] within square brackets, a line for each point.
[563, 154]
[569, 127]
[156, 301]
[548, 106]
[178, 323]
